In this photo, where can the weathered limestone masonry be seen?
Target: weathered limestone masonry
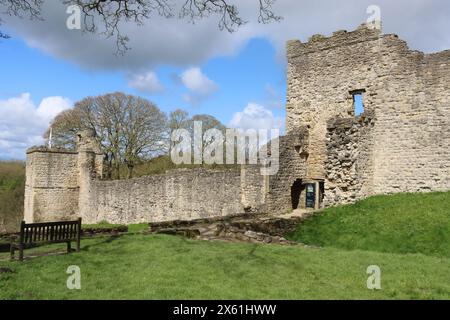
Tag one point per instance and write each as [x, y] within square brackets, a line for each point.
[63, 185]
[58, 182]
[329, 155]
[284, 189]
[349, 164]
[51, 188]
[176, 195]
[402, 142]
[274, 193]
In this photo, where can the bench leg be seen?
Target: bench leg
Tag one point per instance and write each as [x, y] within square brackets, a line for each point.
[21, 253]
[69, 247]
[78, 245]
[12, 250]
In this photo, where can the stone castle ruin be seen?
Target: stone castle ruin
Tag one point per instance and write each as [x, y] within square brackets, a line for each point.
[330, 155]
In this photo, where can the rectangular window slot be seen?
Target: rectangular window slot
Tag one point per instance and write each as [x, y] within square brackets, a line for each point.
[358, 102]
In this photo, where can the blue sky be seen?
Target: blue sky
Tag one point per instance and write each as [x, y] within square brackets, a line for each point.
[239, 78]
[253, 75]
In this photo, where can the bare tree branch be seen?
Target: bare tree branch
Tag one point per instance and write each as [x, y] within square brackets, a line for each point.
[198, 9]
[21, 9]
[110, 14]
[266, 15]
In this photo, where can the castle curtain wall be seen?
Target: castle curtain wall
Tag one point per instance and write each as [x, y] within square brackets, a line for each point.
[401, 143]
[64, 185]
[176, 195]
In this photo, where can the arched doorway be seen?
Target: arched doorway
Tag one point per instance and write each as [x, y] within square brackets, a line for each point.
[296, 191]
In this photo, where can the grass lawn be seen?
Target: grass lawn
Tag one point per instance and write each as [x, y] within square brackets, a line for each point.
[402, 223]
[165, 267]
[407, 236]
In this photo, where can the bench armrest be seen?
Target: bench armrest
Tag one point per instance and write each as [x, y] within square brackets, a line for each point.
[13, 238]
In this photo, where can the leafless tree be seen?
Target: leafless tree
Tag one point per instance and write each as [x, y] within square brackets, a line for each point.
[128, 129]
[208, 122]
[109, 14]
[178, 119]
[65, 127]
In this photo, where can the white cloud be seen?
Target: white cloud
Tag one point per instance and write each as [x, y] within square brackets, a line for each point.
[423, 23]
[199, 85]
[22, 124]
[196, 81]
[51, 106]
[146, 83]
[255, 117]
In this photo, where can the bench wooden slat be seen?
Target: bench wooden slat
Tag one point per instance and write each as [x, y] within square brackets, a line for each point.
[37, 224]
[26, 235]
[46, 233]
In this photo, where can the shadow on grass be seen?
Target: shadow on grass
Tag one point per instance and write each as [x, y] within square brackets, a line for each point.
[107, 240]
[37, 251]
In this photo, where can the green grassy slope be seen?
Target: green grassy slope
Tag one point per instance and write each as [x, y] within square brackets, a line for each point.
[402, 223]
[165, 267]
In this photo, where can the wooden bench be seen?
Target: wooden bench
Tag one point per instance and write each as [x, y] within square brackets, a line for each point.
[34, 234]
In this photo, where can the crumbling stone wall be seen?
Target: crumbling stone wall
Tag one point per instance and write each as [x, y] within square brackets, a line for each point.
[184, 194]
[321, 75]
[349, 163]
[254, 188]
[399, 144]
[51, 187]
[64, 185]
[293, 158]
[407, 92]
[59, 182]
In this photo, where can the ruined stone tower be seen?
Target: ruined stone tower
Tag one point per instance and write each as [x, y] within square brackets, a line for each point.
[400, 143]
[58, 181]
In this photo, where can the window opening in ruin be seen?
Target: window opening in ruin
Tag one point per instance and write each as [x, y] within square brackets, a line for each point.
[296, 190]
[358, 102]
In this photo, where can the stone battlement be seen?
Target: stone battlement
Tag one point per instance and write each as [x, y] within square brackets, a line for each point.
[340, 38]
[49, 150]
